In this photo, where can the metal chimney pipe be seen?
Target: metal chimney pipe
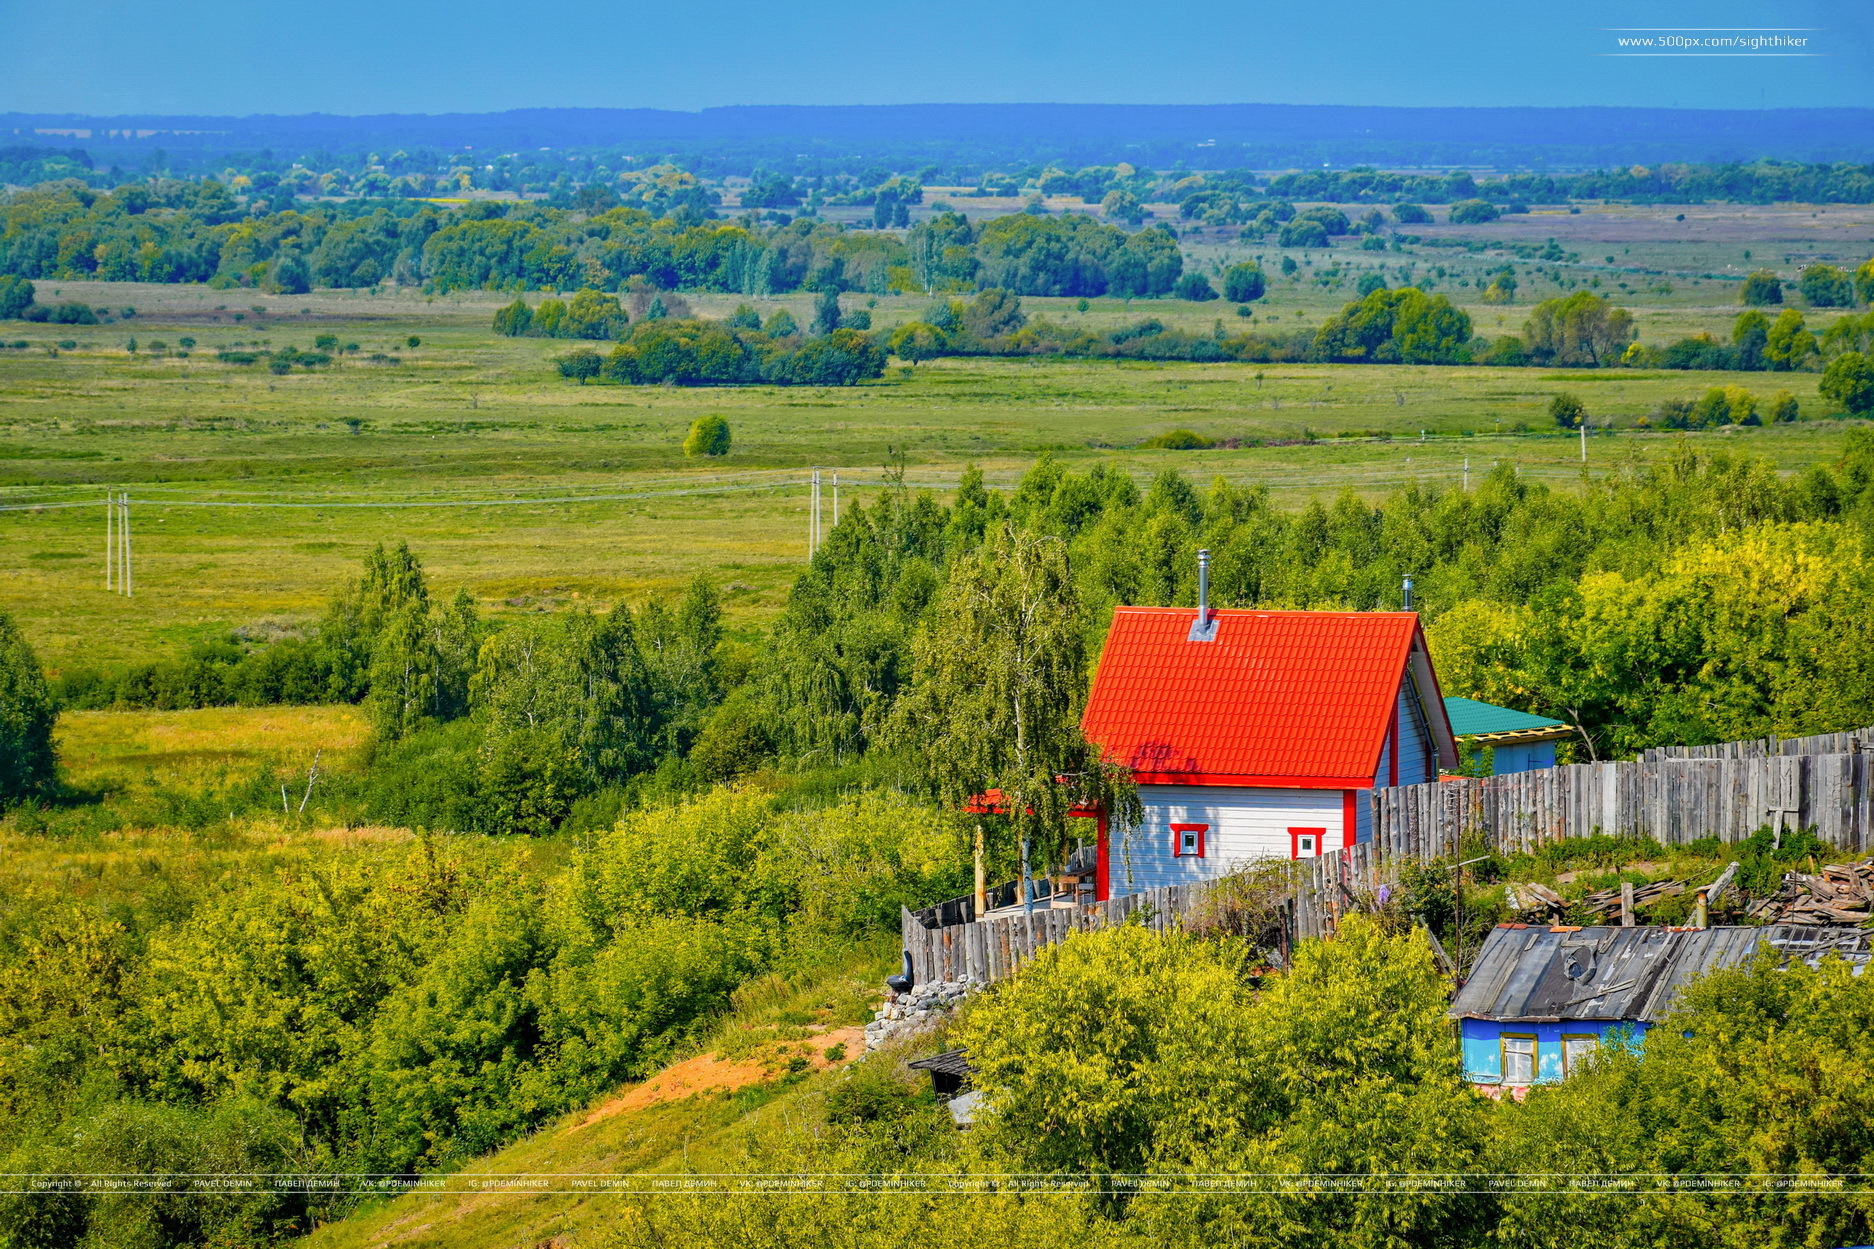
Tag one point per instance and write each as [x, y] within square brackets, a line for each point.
[1204, 628]
[1408, 593]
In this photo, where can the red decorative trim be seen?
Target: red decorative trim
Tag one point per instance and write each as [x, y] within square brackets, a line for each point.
[1177, 839]
[1349, 819]
[1102, 865]
[1294, 841]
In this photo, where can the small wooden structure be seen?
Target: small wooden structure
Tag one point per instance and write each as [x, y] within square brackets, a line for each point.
[1517, 741]
[1540, 999]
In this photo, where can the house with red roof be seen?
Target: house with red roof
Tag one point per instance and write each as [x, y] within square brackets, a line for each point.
[1257, 734]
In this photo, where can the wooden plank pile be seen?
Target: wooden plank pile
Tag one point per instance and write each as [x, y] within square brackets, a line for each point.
[1529, 898]
[1606, 902]
[1841, 893]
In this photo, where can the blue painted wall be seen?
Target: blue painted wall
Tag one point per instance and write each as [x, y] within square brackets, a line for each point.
[1524, 758]
[1483, 1050]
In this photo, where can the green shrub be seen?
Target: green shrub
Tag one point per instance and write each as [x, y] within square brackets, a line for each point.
[1472, 212]
[1177, 440]
[709, 435]
[28, 763]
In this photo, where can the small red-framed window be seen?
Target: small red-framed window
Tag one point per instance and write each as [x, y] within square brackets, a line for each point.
[1187, 840]
[1306, 843]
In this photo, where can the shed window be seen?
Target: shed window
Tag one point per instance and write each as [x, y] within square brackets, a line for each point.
[1187, 840]
[1306, 843]
[1576, 1048]
[1519, 1060]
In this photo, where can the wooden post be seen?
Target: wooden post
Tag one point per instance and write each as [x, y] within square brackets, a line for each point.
[982, 881]
[1626, 904]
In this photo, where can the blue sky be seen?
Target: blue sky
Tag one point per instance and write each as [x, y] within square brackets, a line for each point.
[370, 56]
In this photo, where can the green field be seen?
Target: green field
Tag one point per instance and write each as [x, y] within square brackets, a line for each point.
[538, 494]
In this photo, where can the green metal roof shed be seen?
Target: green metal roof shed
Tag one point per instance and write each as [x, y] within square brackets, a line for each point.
[1470, 718]
[1518, 741]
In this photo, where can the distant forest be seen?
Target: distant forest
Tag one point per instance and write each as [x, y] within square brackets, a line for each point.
[966, 141]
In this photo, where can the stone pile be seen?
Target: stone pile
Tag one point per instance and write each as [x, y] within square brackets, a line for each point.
[925, 1006]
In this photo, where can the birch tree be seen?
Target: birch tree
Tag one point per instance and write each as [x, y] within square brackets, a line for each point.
[998, 683]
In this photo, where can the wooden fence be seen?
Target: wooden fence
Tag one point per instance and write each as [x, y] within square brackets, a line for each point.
[1672, 800]
[1674, 795]
[1822, 744]
[988, 949]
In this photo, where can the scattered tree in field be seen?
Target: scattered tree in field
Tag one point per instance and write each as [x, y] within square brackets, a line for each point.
[1582, 329]
[916, 341]
[1410, 215]
[1567, 410]
[515, 319]
[1370, 282]
[1122, 205]
[1244, 283]
[744, 318]
[1725, 405]
[826, 312]
[1864, 282]
[1472, 212]
[1332, 219]
[1849, 381]
[290, 276]
[580, 366]
[1826, 286]
[1760, 288]
[1788, 343]
[998, 680]
[28, 764]
[592, 314]
[413, 342]
[1784, 408]
[16, 296]
[1303, 232]
[1749, 337]
[709, 435]
[1404, 326]
[1194, 287]
[780, 324]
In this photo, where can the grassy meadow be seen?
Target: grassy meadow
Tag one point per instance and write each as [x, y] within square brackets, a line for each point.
[257, 494]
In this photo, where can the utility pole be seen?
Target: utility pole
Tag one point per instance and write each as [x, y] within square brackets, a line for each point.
[129, 562]
[836, 498]
[1584, 438]
[110, 540]
[813, 516]
[1467, 474]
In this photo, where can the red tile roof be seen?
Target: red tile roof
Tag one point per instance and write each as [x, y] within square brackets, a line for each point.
[1279, 698]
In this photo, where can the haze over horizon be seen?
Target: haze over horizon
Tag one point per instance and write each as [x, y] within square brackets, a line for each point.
[217, 57]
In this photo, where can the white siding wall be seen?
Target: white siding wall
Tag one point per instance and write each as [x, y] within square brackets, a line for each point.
[1245, 824]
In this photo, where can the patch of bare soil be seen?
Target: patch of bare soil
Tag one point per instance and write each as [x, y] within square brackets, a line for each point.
[707, 1073]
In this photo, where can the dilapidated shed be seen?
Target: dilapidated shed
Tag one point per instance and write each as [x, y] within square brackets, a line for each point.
[1539, 999]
